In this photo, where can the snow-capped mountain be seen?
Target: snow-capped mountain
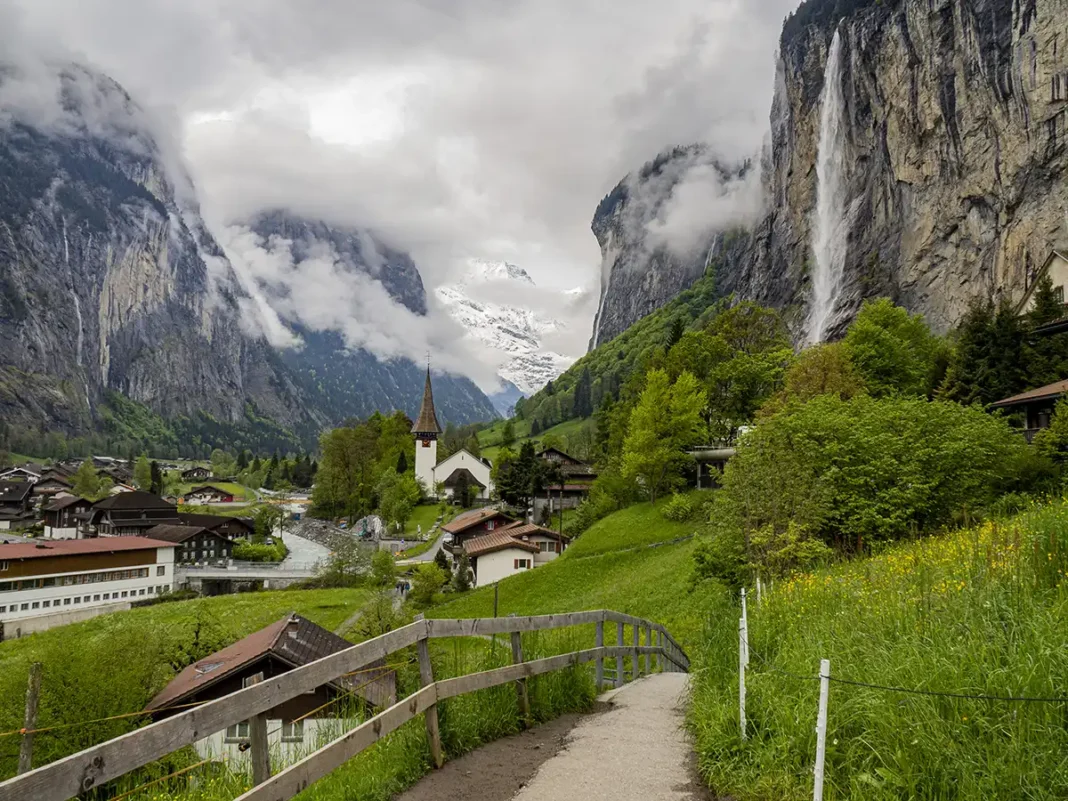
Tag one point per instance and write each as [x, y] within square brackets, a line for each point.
[512, 331]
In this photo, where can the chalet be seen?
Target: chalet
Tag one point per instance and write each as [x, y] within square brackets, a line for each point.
[51, 484]
[294, 727]
[193, 544]
[196, 473]
[1056, 267]
[61, 517]
[28, 472]
[573, 470]
[50, 583]
[233, 528]
[15, 497]
[117, 473]
[127, 514]
[1036, 406]
[209, 494]
[511, 549]
[473, 524]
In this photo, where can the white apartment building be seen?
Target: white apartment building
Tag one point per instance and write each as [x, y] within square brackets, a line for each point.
[52, 583]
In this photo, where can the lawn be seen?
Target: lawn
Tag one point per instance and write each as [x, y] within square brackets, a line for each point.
[239, 491]
[490, 439]
[636, 526]
[113, 664]
[982, 611]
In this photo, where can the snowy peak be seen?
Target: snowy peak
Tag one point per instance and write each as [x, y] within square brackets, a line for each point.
[512, 332]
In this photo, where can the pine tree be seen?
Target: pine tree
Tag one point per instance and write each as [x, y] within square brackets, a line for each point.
[508, 434]
[461, 579]
[678, 328]
[402, 463]
[441, 560]
[86, 482]
[535, 427]
[583, 405]
[142, 473]
[156, 474]
[242, 460]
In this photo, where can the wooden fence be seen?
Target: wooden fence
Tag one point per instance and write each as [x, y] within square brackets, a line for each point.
[67, 777]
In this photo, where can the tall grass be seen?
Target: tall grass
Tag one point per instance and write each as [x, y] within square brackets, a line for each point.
[982, 612]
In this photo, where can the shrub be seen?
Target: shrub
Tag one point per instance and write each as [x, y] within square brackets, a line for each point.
[251, 552]
[680, 508]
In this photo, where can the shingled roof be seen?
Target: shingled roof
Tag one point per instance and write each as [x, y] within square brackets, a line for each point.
[427, 422]
[496, 541]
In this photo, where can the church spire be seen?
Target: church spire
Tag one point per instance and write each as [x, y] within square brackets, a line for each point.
[427, 422]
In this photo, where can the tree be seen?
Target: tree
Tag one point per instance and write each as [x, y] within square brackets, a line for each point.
[1047, 355]
[380, 616]
[427, 581]
[142, 473]
[535, 427]
[508, 434]
[894, 352]
[222, 464]
[472, 446]
[402, 463]
[397, 497]
[678, 328]
[383, 569]
[519, 478]
[819, 370]
[157, 479]
[269, 520]
[441, 560]
[348, 563]
[583, 404]
[461, 577]
[86, 482]
[461, 493]
[989, 360]
[666, 420]
[242, 460]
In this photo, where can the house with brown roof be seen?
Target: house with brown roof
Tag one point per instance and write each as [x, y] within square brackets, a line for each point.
[194, 544]
[294, 727]
[62, 515]
[230, 527]
[15, 501]
[1035, 405]
[209, 493]
[196, 473]
[472, 524]
[126, 514]
[511, 549]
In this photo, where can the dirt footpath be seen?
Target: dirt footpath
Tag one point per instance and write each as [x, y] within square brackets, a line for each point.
[497, 770]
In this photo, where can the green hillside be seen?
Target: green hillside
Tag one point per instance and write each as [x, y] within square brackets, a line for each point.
[490, 438]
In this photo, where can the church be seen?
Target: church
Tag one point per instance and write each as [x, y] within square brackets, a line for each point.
[446, 473]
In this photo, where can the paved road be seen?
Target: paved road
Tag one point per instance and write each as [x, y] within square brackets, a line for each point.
[303, 553]
[427, 556]
[636, 751]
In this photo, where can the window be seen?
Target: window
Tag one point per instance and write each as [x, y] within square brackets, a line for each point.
[3, 609]
[236, 733]
[1058, 291]
[66, 601]
[96, 597]
[293, 732]
[48, 582]
[86, 599]
[150, 590]
[4, 564]
[522, 564]
[124, 593]
[107, 595]
[6, 586]
[36, 605]
[161, 570]
[142, 591]
[24, 607]
[46, 604]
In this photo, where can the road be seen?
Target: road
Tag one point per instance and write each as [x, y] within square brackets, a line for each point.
[303, 554]
[428, 556]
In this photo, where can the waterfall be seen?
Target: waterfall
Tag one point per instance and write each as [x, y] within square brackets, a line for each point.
[831, 225]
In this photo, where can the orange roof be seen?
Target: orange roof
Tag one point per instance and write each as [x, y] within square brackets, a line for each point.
[529, 529]
[496, 541]
[469, 519]
[1042, 393]
[47, 548]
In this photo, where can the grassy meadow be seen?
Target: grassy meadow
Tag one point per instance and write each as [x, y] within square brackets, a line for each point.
[982, 611]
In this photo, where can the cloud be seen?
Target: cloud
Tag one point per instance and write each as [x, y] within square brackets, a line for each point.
[468, 128]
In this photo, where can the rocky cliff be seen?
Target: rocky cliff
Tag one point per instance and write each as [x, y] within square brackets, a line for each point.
[955, 120]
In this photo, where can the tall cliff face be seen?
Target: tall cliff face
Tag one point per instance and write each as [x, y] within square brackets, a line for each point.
[650, 250]
[108, 280]
[956, 117]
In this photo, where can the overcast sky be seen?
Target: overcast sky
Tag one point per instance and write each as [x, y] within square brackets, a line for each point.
[454, 128]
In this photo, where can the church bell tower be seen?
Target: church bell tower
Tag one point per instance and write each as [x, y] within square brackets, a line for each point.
[426, 431]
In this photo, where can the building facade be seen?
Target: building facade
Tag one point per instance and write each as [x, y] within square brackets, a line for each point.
[62, 516]
[127, 514]
[43, 585]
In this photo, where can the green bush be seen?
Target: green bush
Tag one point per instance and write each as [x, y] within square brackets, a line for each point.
[251, 552]
[680, 508]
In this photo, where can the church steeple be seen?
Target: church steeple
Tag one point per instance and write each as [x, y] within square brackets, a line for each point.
[427, 422]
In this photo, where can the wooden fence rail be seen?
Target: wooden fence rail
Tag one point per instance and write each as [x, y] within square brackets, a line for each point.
[67, 777]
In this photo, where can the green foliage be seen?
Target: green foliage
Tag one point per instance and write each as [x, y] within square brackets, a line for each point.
[223, 465]
[508, 434]
[894, 352]
[259, 552]
[380, 616]
[461, 576]
[819, 370]
[636, 526]
[87, 484]
[398, 495]
[666, 420]
[427, 581]
[441, 560]
[383, 570]
[679, 508]
[518, 478]
[1052, 442]
[346, 567]
[989, 360]
[142, 473]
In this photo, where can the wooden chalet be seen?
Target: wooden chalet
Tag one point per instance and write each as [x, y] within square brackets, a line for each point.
[230, 527]
[1036, 406]
[196, 473]
[209, 493]
[473, 524]
[15, 501]
[62, 515]
[193, 544]
[574, 471]
[127, 514]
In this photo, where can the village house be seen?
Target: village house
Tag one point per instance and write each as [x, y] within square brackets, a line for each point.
[193, 544]
[52, 583]
[1035, 406]
[15, 499]
[52, 484]
[196, 473]
[472, 524]
[209, 493]
[1056, 267]
[28, 472]
[295, 727]
[233, 528]
[577, 480]
[128, 513]
[511, 549]
[447, 473]
[62, 515]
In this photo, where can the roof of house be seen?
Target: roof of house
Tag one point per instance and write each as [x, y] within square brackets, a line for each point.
[1050, 391]
[135, 499]
[559, 452]
[26, 471]
[212, 521]
[62, 503]
[173, 533]
[210, 487]
[496, 541]
[14, 491]
[58, 478]
[308, 643]
[427, 422]
[196, 469]
[468, 519]
[454, 478]
[78, 547]
[530, 529]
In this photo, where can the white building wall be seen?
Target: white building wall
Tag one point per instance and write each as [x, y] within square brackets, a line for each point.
[546, 556]
[317, 733]
[426, 456]
[492, 567]
[22, 611]
[58, 533]
[1058, 273]
[476, 466]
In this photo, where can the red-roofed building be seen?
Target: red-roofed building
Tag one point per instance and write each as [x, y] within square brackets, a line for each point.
[54, 582]
[465, 526]
[511, 549]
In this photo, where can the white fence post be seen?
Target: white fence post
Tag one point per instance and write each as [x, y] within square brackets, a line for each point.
[759, 594]
[745, 630]
[821, 729]
[741, 677]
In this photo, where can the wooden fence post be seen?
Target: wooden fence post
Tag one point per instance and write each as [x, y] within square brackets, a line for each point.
[620, 675]
[29, 721]
[520, 684]
[659, 658]
[636, 667]
[821, 730]
[599, 663]
[257, 730]
[648, 644]
[741, 677]
[426, 678]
